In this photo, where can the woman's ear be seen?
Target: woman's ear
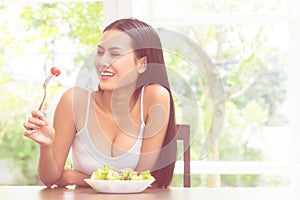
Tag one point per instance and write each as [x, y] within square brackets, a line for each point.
[142, 69]
[142, 65]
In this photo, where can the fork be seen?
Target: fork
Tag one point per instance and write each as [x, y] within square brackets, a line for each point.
[54, 72]
[45, 90]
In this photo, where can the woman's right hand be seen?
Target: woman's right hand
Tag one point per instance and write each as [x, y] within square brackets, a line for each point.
[39, 130]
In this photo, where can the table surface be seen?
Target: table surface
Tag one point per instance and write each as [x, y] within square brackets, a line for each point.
[42, 193]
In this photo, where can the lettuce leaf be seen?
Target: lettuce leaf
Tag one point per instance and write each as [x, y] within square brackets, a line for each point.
[110, 173]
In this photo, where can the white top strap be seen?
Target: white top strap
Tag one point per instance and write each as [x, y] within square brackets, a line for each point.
[87, 109]
[142, 105]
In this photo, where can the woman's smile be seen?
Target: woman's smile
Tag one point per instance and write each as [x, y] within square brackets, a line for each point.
[105, 75]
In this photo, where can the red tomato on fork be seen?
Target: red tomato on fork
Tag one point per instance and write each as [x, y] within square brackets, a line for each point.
[55, 71]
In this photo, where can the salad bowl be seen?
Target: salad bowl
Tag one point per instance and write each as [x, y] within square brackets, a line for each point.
[110, 180]
[119, 186]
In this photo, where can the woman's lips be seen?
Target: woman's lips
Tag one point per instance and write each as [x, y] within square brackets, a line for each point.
[106, 75]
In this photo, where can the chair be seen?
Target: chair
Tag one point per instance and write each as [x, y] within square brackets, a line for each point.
[183, 133]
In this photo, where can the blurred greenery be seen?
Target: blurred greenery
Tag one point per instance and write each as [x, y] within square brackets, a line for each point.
[39, 25]
[251, 69]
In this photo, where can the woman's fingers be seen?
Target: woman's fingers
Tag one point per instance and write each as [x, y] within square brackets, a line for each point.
[27, 133]
[37, 113]
[38, 129]
[37, 121]
[42, 117]
[43, 135]
[33, 124]
[38, 137]
[30, 126]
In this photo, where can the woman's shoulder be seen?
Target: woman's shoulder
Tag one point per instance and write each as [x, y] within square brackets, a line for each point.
[74, 94]
[155, 93]
[75, 91]
[74, 103]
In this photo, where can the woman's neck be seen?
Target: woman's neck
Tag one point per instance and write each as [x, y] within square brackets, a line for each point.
[119, 101]
[119, 104]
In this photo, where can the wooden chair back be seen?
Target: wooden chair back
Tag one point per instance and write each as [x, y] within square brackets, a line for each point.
[183, 133]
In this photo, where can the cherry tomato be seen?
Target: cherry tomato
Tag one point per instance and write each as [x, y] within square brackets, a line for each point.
[55, 71]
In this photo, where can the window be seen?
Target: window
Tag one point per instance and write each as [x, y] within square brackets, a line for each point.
[249, 43]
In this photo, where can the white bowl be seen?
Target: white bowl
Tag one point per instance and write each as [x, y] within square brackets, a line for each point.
[118, 186]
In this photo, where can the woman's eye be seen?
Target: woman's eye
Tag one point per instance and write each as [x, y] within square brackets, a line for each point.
[100, 52]
[115, 54]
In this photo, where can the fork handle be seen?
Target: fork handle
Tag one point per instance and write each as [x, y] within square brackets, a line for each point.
[45, 88]
[42, 103]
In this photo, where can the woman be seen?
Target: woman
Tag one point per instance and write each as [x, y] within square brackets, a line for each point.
[127, 123]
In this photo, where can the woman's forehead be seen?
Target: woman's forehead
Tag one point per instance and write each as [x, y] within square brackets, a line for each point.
[115, 38]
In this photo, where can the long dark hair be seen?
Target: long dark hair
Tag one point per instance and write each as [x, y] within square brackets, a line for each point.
[146, 43]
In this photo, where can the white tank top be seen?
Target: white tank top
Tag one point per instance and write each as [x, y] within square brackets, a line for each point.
[87, 158]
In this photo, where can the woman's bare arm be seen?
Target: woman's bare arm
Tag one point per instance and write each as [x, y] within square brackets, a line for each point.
[52, 159]
[157, 107]
[54, 141]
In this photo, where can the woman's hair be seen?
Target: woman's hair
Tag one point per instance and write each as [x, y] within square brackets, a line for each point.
[146, 43]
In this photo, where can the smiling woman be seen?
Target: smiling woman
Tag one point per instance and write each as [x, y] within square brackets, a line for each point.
[127, 123]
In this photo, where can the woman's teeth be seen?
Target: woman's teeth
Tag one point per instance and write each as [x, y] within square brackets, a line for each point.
[107, 74]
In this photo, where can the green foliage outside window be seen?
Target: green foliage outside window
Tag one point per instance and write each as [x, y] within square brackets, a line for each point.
[42, 24]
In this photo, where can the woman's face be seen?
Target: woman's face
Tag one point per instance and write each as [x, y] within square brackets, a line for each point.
[115, 61]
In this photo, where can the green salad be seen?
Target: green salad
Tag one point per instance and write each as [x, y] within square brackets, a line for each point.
[110, 173]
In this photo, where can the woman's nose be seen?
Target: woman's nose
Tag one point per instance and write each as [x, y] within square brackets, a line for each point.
[104, 61]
